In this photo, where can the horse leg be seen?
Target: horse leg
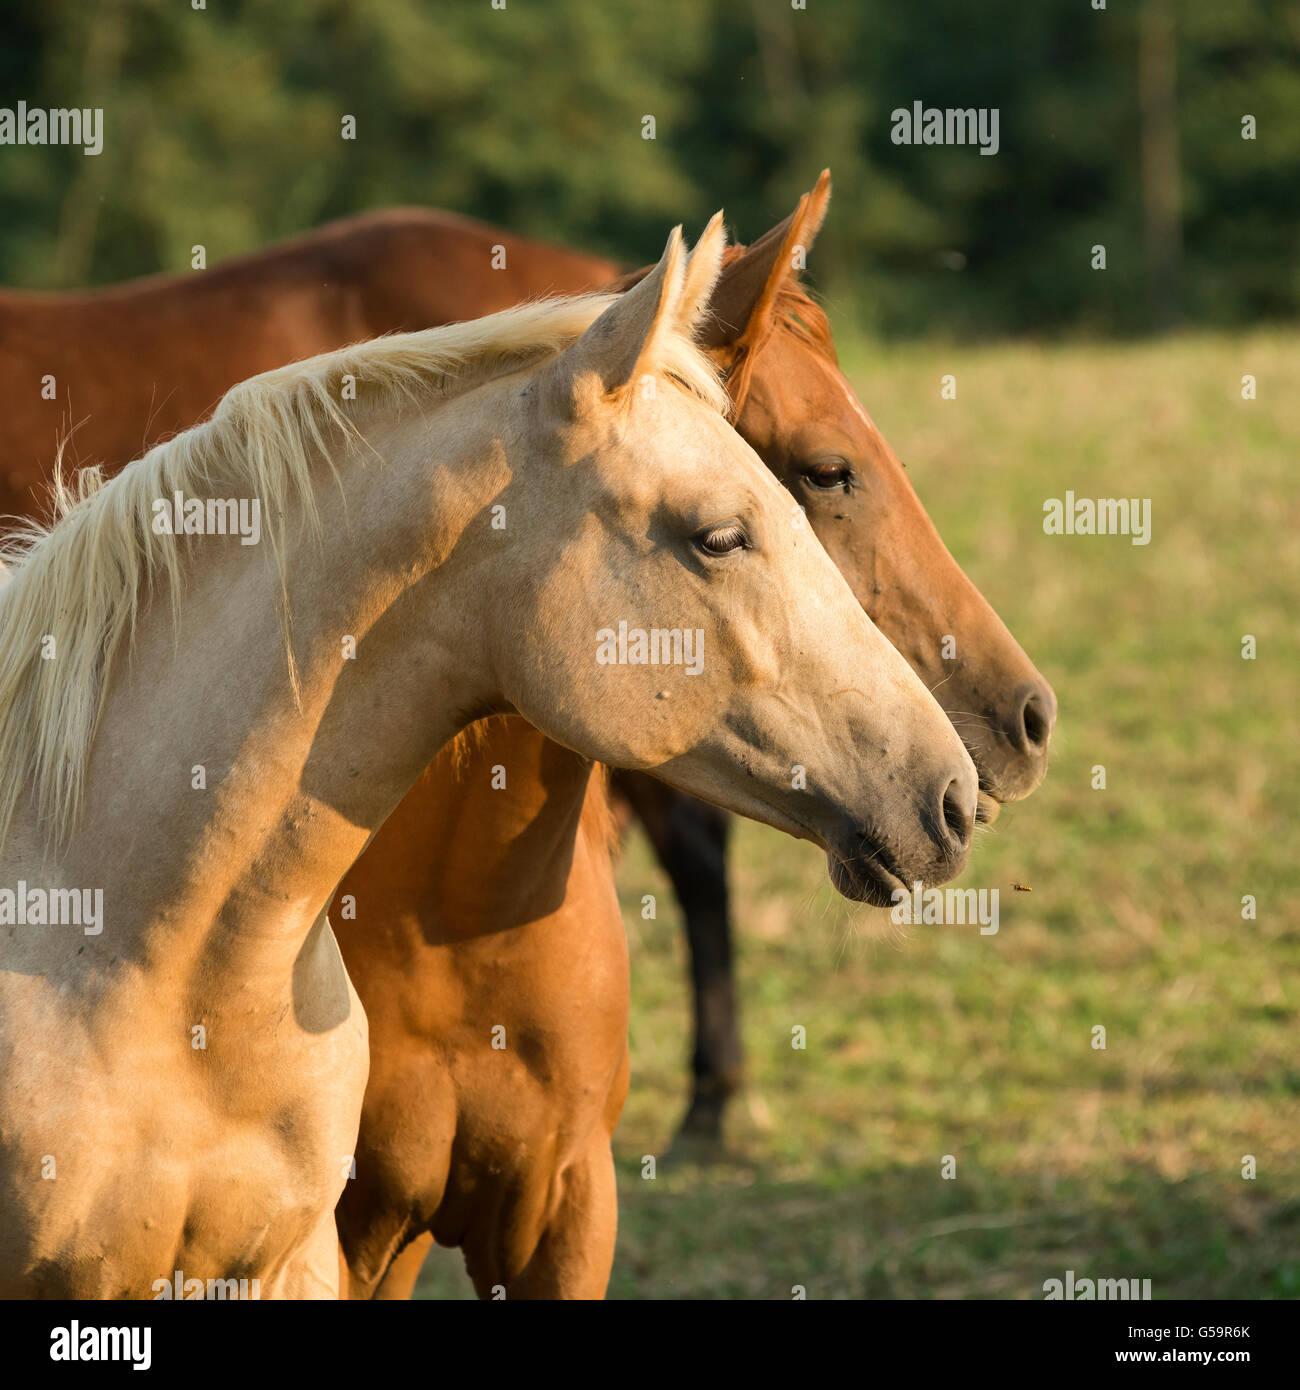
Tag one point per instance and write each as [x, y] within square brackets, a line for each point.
[574, 1253]
[695, 858]
[400, 1173]
[538, 1246]
[403, 1274]
[689, 839]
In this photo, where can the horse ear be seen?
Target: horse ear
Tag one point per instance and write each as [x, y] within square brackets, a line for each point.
[701, 279]
[744, 302]
[627, 333]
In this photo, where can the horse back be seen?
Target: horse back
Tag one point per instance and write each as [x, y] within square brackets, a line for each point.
[115, 370]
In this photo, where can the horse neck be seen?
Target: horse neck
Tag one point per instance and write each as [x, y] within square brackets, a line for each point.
[292, 790]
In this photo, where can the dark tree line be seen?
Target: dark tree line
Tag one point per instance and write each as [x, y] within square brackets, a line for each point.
[1120, 127]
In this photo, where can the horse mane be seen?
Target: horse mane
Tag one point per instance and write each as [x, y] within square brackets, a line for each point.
[77, 585]
[800, 316]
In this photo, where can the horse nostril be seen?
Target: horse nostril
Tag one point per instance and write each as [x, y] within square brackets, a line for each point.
[1037, 716]
[959, 813]
[1035, 725]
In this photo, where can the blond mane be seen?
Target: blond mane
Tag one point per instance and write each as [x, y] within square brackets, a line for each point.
[75, 588]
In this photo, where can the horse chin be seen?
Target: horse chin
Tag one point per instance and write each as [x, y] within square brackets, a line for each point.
[987, 808]
[864, 881]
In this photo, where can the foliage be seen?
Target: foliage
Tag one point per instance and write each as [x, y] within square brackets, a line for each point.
[224, 128]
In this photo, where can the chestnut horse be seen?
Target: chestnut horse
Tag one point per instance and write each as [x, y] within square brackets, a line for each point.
[316, 685]
[518, 925]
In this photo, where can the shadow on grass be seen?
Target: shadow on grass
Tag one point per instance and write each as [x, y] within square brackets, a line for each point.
[726, 1232]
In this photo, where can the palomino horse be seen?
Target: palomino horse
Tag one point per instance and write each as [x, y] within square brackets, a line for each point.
[182, 1081]
[512, 923]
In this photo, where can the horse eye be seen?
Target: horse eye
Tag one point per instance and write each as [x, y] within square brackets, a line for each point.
[722, 540]
[830, 475]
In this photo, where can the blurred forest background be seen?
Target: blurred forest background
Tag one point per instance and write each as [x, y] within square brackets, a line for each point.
[1120, 126]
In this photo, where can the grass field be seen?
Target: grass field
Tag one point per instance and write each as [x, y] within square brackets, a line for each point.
[926, 1042]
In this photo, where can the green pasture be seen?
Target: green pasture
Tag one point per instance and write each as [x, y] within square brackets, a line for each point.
[926, 1042]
